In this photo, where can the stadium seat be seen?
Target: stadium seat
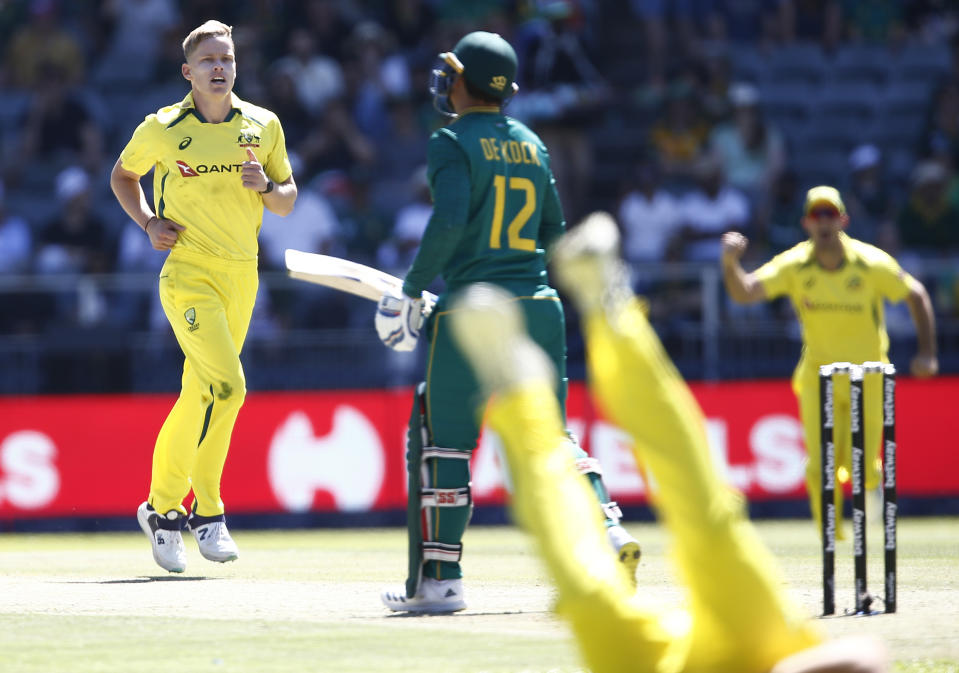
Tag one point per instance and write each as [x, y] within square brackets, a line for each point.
[802, 63]
[747, 63]
[899, 126]
[856, 101]
[861, 63]
[903, 96]
[35, 205]
[922, 62]
[793, 129]
[826, 131]
[899, 163]
[13, 103]
[13, 107]
[786, 102]
[616, 141]
[821, 166]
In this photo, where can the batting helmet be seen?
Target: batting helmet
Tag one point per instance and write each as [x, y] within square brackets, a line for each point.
[486, 60]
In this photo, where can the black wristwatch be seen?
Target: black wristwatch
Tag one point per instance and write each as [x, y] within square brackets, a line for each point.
[269, 187]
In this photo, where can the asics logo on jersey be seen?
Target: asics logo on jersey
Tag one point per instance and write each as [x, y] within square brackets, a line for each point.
[854, 283]
[185, 142]
[185, 170]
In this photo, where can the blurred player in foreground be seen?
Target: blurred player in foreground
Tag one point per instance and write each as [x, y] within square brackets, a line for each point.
[495, 213]
[737, 619]
[837, 286]
[210, 188]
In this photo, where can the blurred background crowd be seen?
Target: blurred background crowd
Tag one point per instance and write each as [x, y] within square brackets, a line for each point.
[685, 118]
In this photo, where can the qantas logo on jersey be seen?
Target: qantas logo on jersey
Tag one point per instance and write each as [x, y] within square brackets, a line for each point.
[839, 307]
[187, 171]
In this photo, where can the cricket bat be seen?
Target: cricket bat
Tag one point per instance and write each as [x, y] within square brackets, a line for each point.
[346, 276]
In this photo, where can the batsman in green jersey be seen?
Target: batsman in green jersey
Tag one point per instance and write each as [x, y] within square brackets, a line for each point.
[495, 213]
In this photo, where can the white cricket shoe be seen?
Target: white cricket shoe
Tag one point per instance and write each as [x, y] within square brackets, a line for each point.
[627, 549]
[433, 597]
[213, 538]
[589, 267]
[165, 537]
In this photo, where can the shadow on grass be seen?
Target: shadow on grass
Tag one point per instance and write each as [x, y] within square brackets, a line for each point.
[463, 613]
[142, 580]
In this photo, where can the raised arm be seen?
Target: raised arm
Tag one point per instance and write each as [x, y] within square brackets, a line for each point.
[926, 363]
[743, 287]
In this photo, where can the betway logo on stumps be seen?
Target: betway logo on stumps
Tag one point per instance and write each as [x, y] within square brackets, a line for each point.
[187, 171]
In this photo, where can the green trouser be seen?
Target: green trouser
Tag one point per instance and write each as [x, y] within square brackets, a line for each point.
[439, 501]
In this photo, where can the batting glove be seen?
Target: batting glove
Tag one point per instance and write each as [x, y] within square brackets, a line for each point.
[398, 321]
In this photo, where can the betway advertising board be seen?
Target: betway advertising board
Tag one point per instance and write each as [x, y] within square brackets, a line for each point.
[343, 451]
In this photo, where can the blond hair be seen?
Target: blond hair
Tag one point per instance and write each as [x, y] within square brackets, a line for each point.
[208, 29]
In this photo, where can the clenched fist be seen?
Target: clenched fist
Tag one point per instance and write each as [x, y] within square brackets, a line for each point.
[733, 245]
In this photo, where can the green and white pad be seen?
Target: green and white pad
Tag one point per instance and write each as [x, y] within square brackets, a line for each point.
[591, 468]
[439, 501]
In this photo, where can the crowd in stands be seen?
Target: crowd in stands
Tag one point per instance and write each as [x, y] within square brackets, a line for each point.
[686, 118]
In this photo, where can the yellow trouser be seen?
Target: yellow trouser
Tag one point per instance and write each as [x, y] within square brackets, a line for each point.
[738, 618]
[806, 387]
[209, 302]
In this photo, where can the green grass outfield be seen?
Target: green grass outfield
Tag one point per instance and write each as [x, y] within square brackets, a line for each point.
[308, 601]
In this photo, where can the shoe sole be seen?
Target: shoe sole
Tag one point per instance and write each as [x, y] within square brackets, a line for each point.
[435, 609]
[142, 517]
[448, 607]
[596, 236]
[225, 559]
[581, 255]
[629, 555]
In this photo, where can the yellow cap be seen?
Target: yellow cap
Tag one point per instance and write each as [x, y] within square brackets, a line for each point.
[824, 195]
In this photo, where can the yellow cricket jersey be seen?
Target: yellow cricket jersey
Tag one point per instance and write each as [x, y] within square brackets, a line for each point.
[196, 181]
[841, 311]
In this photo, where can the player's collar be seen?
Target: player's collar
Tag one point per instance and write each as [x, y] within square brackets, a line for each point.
[849, 254]
[495, 109]
[189, 105]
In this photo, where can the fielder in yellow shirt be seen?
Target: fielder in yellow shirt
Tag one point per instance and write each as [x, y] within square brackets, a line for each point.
[737, 617]
[837, 286]
[216, 161]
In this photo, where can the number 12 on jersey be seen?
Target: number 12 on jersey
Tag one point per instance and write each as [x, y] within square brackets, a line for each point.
[514, 240]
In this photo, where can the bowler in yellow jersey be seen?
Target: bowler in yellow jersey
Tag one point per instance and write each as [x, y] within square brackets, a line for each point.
[217, 161]
[837, 286]
[737, 617]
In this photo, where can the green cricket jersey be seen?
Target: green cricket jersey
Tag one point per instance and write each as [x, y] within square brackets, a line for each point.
[495, 205]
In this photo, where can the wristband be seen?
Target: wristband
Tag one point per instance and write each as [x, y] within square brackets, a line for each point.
[269, 187]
